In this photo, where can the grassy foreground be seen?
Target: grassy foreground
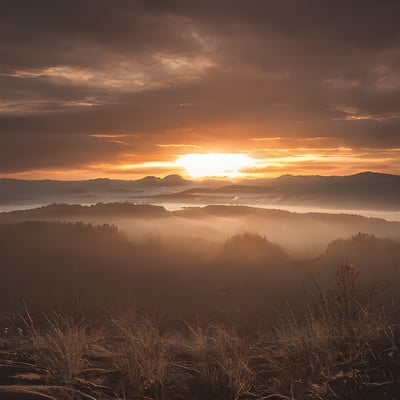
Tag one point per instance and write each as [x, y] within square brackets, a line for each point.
[344, 346]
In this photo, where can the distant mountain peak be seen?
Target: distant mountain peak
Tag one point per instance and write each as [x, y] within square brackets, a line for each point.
[149, 178]
[169, 180]
[174, 177]
[370, 173]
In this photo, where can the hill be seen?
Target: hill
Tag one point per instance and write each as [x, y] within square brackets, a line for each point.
[367, 190]
[361, 191]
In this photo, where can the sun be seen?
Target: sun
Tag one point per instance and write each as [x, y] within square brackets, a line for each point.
[214, 164]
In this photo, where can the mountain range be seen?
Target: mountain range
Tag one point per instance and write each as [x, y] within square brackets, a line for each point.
[367, 190]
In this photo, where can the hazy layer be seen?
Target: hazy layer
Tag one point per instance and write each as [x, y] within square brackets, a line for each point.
[303, 235]
[48, 264]
[384, 214]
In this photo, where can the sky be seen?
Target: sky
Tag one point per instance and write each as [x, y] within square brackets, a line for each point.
[124, 88]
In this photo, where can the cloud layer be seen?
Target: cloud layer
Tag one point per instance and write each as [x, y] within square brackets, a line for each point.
[90, 86]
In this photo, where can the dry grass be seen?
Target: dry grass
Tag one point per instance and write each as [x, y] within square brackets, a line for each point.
[143, 363]
[340, 340]
[343, 343]
[65, 351]
[61, 346]
[221, 361]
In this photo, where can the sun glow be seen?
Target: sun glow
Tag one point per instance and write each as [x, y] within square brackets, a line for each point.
[214, 164]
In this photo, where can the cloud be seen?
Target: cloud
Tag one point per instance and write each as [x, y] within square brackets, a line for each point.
[215, 76]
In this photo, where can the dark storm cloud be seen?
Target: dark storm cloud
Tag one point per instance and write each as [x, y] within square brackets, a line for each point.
[271, 68]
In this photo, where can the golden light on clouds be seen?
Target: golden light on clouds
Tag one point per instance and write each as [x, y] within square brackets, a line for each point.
[133, 90]
[215, 164]
[275, 157]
